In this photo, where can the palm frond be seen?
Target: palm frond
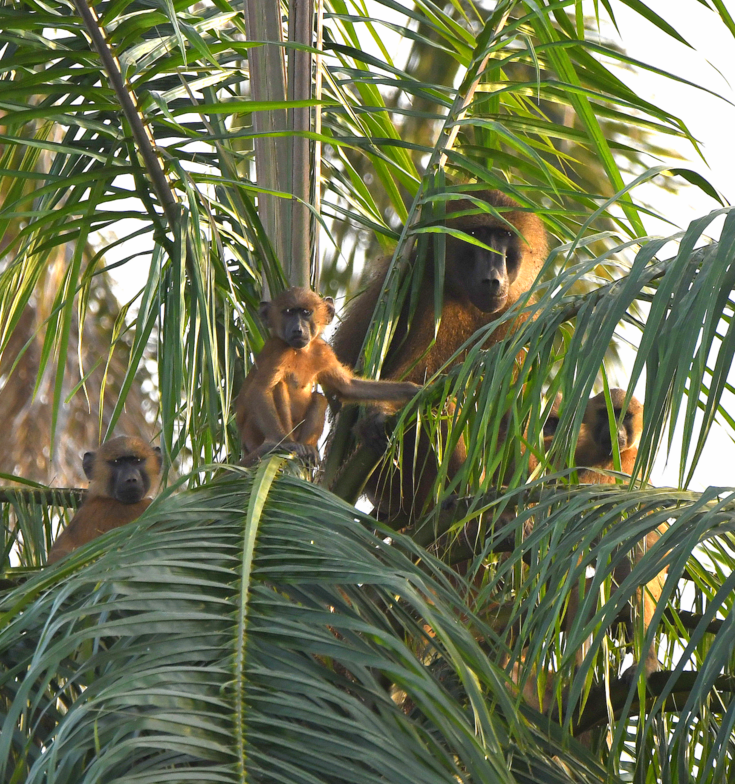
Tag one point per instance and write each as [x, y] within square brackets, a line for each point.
[260, 631]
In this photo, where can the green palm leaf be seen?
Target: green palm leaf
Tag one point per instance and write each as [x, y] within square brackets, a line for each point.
[286, 642]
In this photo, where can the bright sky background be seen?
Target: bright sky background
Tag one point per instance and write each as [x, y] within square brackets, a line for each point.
[710, 119]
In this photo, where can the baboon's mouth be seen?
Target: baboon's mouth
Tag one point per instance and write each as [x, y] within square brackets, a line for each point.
[490, 304]
[129, 496]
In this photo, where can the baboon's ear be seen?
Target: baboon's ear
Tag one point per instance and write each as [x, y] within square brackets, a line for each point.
[159, 456]
[88, 464]
[264, 309]
[329, 303]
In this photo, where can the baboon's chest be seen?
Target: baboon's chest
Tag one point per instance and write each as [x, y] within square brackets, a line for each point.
[299, 373]
[295, 383]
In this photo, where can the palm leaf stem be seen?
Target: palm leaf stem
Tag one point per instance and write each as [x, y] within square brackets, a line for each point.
[617, 692]
[144, 140]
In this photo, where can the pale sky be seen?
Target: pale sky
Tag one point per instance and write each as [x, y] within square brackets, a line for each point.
[710, 120]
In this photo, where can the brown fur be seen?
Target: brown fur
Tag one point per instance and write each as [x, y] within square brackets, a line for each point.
[101, 512]
[594, 449]
[277, 403]
[460, 318]
[412, 354]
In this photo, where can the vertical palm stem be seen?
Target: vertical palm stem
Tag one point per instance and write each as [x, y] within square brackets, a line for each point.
[268, 83]
[300, 26]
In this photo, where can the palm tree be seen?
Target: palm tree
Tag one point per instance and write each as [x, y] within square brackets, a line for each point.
[253, 625]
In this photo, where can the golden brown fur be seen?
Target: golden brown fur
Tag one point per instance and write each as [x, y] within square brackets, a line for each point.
[121, 473]
[278, 403]
[412, 354]
[594, 446]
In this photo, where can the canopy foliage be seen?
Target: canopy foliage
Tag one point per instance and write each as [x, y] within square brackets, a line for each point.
[254, 625]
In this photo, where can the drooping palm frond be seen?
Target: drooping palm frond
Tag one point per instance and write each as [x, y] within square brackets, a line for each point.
[525, 159]
[567, 542]
[555, 582]
[249, 631]
[266, 626]
[668, 310]
[550, 120]
[96, 179]
[684, 347]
